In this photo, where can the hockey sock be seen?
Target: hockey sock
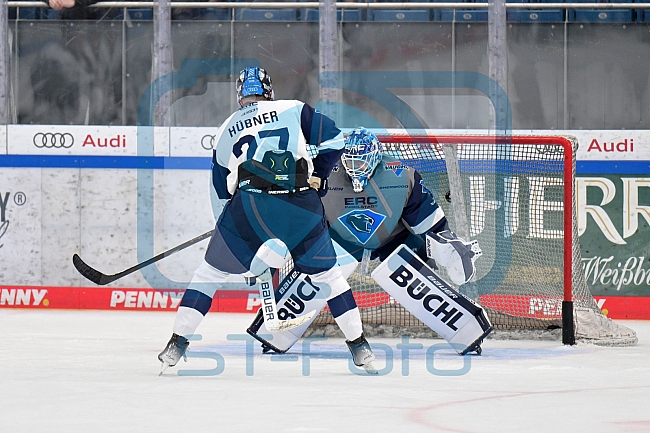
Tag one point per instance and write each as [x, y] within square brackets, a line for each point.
[345, 312]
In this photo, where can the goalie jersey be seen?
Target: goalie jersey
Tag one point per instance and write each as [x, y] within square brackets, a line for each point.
[393, 205]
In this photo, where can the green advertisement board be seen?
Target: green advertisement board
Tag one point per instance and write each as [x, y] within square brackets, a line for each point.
[613, 215]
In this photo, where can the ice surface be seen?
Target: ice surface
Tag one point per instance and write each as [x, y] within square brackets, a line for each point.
[95, 371]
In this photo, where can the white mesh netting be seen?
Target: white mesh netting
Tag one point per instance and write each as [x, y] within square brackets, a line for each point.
[512, 192]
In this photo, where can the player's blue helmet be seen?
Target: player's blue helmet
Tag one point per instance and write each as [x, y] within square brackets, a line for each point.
[362, 153]
[254, 81]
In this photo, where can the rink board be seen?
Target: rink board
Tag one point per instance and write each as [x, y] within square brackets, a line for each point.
[84, 194]
[248, 301]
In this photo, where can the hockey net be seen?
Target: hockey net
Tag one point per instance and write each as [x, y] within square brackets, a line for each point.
[510, 193]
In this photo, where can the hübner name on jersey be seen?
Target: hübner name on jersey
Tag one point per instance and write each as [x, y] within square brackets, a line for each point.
[260, 119]
[419, 291]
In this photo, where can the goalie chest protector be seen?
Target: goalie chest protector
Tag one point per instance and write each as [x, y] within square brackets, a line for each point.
[372, 217]
[456, 318]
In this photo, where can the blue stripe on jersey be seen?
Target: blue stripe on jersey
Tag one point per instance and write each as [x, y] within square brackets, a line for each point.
[219, 175]
[317, 129]
[440, 226]
[196, 300]
[342, 303]
[420, 205]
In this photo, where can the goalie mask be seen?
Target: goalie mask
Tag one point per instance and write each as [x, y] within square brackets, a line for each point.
[254, 81]
[362, 153]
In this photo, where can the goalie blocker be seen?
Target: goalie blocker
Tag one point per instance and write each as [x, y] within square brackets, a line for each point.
[456, 318]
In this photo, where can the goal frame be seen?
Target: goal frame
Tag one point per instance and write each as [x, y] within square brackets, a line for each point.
[567, 143]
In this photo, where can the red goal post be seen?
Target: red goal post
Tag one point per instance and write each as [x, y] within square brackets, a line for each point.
[568, 145]
[496, 184]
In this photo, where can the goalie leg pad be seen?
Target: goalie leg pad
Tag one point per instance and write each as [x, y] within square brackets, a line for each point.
[294, 297]
[272, 254]
[458, 319]
[279, 341]
[455, 254]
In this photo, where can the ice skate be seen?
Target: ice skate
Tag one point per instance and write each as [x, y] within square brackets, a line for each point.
[362, 354]
[174, 351]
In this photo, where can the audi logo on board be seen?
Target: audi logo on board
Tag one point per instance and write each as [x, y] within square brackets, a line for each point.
[53, 140]
[207, 141]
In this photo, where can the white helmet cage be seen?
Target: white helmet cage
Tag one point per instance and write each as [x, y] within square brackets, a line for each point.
[362, 153]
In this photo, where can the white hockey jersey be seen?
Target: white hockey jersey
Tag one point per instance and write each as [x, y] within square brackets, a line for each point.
[286, 125]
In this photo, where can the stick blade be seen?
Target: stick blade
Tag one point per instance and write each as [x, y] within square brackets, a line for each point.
[88, 272]
[285, 325]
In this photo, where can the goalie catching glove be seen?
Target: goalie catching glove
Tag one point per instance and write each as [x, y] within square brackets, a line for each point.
[455, 254]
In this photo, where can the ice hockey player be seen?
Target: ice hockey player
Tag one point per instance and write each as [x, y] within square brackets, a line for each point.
[374, 205]
[262, 166]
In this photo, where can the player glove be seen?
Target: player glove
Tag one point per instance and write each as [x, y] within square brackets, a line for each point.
[320, 185]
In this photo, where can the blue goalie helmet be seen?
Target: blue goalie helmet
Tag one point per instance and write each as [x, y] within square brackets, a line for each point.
[254, 81]
[362, 153]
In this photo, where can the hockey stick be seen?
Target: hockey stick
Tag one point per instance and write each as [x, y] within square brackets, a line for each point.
[102, 279]
[270, 310]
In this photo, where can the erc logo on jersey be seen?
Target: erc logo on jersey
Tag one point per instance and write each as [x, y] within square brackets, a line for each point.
[362, 223]
[396, 167]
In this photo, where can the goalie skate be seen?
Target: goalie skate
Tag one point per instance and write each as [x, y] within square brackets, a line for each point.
[174, 351]
[362, 354]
